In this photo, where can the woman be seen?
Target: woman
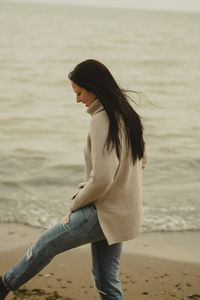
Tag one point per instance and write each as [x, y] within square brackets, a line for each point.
[106, 210]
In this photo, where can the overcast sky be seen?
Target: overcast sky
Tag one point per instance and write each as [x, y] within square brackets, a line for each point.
[181, 5]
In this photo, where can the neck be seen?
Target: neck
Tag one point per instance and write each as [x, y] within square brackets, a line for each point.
[94, 107]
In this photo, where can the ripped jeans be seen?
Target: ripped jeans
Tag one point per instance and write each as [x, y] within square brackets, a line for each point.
[82, 227]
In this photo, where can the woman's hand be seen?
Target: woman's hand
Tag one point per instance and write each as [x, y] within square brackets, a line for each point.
[80, 186]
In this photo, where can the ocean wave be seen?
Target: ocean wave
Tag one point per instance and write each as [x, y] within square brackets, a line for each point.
[43, 219]
[56, 175]
[160, 62]
[169, 224]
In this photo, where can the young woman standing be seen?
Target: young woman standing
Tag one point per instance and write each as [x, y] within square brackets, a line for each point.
[106, 209]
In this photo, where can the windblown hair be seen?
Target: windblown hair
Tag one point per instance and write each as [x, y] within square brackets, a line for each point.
[95, 77]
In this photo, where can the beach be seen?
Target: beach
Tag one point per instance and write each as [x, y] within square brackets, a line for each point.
[43, 132]
[153, 266]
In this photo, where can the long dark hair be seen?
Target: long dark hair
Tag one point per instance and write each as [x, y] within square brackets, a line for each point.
[95, 77]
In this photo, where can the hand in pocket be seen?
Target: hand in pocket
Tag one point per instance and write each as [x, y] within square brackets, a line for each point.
[74, 196]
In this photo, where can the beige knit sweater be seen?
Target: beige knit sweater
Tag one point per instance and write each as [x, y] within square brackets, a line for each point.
[115, 187]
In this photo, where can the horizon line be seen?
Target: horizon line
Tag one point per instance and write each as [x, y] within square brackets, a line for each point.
[63, 2]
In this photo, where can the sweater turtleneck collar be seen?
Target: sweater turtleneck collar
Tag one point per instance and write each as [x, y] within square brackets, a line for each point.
[94, 107]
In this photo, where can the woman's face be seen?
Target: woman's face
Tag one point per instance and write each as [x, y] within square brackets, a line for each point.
[82, 95]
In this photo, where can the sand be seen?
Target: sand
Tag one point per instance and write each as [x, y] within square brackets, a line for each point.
[153, 266]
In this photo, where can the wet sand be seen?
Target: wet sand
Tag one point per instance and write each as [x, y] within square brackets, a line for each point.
[153, 266]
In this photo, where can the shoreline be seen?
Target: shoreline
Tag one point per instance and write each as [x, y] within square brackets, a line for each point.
[153, 266]
[157, 244]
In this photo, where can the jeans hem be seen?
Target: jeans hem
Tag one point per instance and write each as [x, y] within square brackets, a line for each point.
[5, 284]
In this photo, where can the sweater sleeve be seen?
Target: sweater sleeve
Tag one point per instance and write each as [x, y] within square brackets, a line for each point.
[104, 164]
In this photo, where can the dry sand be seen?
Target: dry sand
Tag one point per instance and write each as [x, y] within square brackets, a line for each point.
[153, 266]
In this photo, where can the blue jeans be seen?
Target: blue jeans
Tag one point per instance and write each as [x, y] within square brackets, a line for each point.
[82, 227]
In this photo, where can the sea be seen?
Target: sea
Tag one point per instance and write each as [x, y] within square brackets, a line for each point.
[43, 130]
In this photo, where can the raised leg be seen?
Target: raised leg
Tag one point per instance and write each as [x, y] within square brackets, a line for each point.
[81, 228]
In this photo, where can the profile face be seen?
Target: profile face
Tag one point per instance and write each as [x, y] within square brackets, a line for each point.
[82, 95]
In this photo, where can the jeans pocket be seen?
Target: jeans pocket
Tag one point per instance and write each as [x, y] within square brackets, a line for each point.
[77, 218]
